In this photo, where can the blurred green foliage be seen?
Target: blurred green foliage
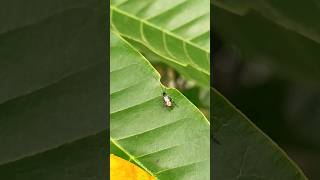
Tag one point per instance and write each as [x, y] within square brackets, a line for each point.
[267, 63]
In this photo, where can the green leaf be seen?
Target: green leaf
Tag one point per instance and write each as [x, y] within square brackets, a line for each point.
[244, 151]
[22, 14]
[40, 51]
[168, 29]
[168, 143]
[53, 86]
[79, 160]
[290, 49]
[238, 7]
[302, 22]
[60, 113]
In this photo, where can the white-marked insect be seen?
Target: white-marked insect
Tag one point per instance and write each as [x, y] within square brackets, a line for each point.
[167, 100]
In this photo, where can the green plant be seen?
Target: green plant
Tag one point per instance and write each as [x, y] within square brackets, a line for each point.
[169, 144]
[138, 118]
[53, 92]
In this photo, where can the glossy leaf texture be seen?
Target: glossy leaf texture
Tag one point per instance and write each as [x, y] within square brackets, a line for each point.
[178, 32]
[243, 151]
[284, 38]
[167, 143]
[52, 94]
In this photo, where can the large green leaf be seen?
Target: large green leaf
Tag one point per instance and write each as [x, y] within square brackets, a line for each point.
[176, 31]
[245, 152]
[169, 144]
[53, 89]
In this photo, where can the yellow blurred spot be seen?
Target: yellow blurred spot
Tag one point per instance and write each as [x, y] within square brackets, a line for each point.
[121, 169]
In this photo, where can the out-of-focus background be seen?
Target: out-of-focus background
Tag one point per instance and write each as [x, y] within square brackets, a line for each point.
[267, 63]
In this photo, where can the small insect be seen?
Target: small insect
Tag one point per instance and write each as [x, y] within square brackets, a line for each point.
[167, 100]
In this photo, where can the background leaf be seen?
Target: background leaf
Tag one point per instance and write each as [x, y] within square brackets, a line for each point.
[53, 90]
[284, 15]
[81, 159]
[178, 32]
[244, 151]
[267, 58]
[147, 133]
[287, 49]
[50, 47]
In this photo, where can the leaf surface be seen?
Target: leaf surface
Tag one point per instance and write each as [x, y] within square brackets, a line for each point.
[169, 144]
[298, 17]
[50, 47]
[79, 160]
[284, 40]
[53, 90]
[244, 151]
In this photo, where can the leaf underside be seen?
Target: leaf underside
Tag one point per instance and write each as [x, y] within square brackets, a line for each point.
[168, 29]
